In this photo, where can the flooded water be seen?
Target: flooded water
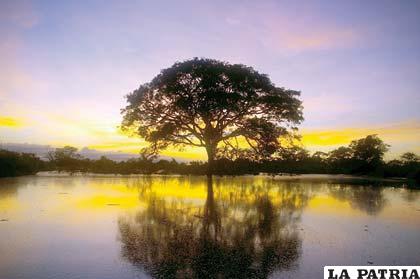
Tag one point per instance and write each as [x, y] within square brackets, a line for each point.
[188, 227]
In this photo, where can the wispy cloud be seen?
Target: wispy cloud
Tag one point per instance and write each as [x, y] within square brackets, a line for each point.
[11, 122]
[281, 34]
[321, 39]
[280, 28]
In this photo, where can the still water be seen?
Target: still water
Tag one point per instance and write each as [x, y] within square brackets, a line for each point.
[188, 227]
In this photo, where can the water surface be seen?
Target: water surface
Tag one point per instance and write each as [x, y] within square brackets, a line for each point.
[188, 227]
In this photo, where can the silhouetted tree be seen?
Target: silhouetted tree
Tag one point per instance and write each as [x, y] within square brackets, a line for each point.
[339, 160]
[407, 166]
[320, 156]
[15, 164]
[368, 152]
[293, 153]
[207, 103]
[417, 176]
[65, 159]
[410, 157]
[103, 165]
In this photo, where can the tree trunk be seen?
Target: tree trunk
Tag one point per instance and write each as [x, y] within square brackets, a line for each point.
[210, 159]
[211, 217]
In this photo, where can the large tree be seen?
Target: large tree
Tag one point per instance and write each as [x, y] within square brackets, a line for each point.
[65, 159]
[370, 149]
[212, 104]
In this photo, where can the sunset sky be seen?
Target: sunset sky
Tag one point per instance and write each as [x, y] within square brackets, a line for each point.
[65, 66]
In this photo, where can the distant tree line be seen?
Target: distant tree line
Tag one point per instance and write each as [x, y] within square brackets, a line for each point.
[16, 164]
[361, 157]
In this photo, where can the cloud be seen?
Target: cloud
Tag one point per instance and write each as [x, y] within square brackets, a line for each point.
[10, 122]
[321, 39]
[279, 36]
[279, 28]
[124, 144]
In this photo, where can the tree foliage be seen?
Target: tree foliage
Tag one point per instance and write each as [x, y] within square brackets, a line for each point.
[370, 149]
[368, 153]
[208, 103]
[65, 158]
[16, 164]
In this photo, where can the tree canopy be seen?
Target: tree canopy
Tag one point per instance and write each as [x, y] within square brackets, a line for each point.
[370, 149]
[65, 158]
[15, 164]
[215, 105]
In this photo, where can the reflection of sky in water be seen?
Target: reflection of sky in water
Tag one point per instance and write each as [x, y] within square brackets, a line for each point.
[67, 227]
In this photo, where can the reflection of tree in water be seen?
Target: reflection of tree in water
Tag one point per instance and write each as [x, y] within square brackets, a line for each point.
[9, 186]
[243, 236]
[369, 199]
[410, 195]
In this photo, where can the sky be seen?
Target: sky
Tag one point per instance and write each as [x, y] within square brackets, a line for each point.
[65, 66]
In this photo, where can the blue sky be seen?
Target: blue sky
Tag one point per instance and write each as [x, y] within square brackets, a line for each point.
[66, 65]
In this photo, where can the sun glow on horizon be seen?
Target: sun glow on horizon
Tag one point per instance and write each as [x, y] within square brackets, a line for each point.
[107, 137]
[11, 122]
[401, 136]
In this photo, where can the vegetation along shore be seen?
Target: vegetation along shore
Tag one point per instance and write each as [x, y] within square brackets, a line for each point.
[361, 157]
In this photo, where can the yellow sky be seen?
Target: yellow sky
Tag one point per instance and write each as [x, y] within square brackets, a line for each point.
[401, 136]
[106, 136]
